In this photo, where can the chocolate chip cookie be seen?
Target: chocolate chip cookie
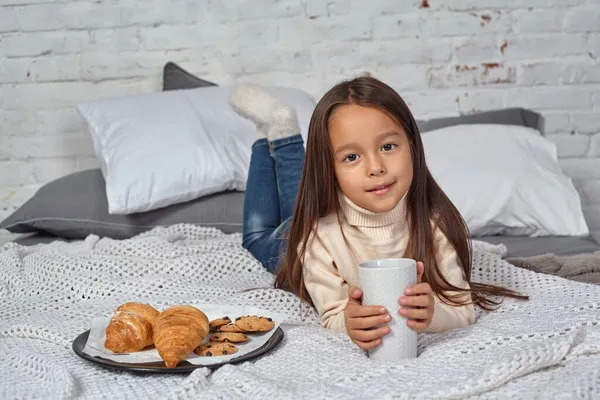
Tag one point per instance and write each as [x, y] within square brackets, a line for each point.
[233, 337]
[216, 323]
[254, 323]
[211, 349]
[229, 328]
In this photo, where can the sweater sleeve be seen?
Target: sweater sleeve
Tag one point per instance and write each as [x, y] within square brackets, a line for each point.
[446, 316]
[327, 289]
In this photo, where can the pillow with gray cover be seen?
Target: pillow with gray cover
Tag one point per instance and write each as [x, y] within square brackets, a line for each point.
[75, 205]
[177, 78]
[506, 116]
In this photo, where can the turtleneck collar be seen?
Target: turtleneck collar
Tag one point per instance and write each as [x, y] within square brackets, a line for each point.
[360, 217]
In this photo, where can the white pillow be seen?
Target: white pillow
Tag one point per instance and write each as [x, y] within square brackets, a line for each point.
[159, 149]
[504, 180]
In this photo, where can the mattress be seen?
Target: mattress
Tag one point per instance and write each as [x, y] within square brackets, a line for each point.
[38, 238]
[520, 246]
[6, 236]
[517, 246]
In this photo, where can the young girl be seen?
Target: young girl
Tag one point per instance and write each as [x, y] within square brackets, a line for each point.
[363, 191]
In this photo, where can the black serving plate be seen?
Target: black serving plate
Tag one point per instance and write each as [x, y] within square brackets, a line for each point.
[182, 367]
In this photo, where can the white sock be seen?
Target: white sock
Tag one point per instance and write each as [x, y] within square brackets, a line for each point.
[273, 118]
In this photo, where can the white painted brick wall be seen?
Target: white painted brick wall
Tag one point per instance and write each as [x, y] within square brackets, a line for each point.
[445, 57]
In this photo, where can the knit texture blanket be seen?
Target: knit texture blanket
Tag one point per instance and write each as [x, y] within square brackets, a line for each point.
[541, 348]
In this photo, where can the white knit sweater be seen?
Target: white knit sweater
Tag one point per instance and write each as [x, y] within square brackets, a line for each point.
[338, 246]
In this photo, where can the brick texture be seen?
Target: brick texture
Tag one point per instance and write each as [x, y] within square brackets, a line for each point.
[445, 57]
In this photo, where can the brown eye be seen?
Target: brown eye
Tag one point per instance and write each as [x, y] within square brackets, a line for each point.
[389, 146]
[351, 158]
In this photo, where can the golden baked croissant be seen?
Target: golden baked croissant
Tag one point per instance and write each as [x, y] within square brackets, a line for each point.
[130, 328]
[178, 330]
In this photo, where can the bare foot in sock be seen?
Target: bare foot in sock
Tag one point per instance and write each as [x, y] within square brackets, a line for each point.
[272, 117]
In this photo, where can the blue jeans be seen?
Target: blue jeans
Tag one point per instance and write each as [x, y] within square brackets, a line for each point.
[271, 190]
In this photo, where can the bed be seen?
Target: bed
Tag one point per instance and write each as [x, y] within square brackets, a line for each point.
[73, 261]
[516, 246]
[536, 349]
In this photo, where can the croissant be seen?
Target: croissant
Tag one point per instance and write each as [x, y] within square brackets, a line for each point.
[130, 328]
[178, 330]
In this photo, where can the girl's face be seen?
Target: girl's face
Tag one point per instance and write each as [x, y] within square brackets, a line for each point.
[372, 157]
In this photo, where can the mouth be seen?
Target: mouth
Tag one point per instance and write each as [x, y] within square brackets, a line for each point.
[383, 187]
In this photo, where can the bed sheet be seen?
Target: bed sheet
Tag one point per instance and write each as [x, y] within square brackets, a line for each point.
[38, 238]
[520, 246]
[6, 237]
[517, 246]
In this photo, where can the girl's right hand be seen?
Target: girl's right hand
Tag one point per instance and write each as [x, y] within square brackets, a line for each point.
[360, 321]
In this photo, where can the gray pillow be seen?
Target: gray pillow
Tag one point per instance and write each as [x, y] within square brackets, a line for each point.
[177, 78]
[75, 206]
[507, 116]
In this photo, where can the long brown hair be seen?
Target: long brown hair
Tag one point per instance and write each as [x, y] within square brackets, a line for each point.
[426, 202]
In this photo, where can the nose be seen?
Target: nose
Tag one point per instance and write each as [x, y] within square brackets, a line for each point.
[376, 167]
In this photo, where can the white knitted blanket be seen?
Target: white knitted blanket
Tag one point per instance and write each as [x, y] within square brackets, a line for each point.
[543, 348]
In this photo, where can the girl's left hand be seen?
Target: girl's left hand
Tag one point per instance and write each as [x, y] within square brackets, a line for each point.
[419, 296]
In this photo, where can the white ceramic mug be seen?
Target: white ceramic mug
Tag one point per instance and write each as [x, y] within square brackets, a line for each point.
[383, 282]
